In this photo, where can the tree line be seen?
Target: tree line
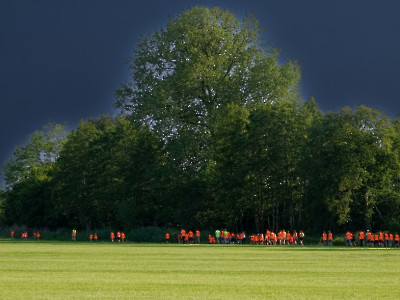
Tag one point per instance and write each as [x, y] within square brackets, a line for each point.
[212, 132]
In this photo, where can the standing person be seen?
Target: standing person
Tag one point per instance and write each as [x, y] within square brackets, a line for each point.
[217, 235]
[91, 237]
[197, 237]
[112, 236]
[330, 238]
[390, 240]
[349, 238]
[324, 238]
[12, 234]
[118, 236]
[122, 237]
[191, 236]
[386, 243]
[167, 236]
[95, 237]
[396, 239]
[74, 235]
[361, 236]
[301, 237]
[295, 237]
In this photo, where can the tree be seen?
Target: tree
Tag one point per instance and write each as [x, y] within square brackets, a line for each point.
[350, 166]
[202, 60]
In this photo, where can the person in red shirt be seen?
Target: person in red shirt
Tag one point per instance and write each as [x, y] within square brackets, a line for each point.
[324, 238]
[91, 237]
[349, 238]
[95, 237]
[361, 236]
[122, 237]
[167, 236]
[197, 240]
[330, 238]
[118, 237]
[12, 234]
[396, 239]
[112, 236]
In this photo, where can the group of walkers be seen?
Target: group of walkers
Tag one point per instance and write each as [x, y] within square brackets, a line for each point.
[120, 237]
[184, 237]
[377, 239]
[25, 235]
[364, 238]
[283, 237]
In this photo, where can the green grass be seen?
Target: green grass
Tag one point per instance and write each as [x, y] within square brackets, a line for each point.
[66, 270]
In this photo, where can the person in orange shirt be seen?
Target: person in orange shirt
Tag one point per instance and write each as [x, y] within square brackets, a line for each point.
[396, 239]
[381, 239]
[122, 237]
[301, 237]
[288, 238]
[37, 235]
[95, 237]
[324, 238]
[361, 236]
[376, 240]
[390, 239]
[167, 236]
[12, 234]
[386, 238]
[294, 237]
[91, 237]
[118, 237]
[112, 236]
[197, 240]
[183, 235]
[349, 238]
[191, 236]
[330, 238]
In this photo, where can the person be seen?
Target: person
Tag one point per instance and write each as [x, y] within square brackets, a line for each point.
[167, 236]
[381, 239]
[95, 237]
[191, 236]
[324, 238]
[217, 235]
[349, 238]
[390, 240]
[386, 238]
[226, 236]
[12, 234]
[295, 237]
[38, 235]
[74, 234]
[330, 238]
[91, 237]
[361, 236]
[396, 239]
[197, 241]
[122, 237]
[183, 235]
[301, 237]
[112, 236]
[118, 236]
[376, 240]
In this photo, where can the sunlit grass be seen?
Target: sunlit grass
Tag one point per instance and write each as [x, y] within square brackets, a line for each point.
[45, 270]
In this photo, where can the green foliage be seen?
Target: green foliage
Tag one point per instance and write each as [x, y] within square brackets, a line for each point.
[212, 133]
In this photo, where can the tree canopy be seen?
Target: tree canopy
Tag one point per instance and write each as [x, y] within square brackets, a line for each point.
[212, 132]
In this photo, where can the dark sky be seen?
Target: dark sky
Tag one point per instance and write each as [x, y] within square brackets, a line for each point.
[61, 61]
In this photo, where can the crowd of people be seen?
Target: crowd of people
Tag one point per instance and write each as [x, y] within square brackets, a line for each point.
[283, 237]
[184, 237]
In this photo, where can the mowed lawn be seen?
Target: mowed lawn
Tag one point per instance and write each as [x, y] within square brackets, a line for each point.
[55, 270]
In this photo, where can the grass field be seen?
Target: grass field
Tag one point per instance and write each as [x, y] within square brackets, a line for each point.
[56, 270]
